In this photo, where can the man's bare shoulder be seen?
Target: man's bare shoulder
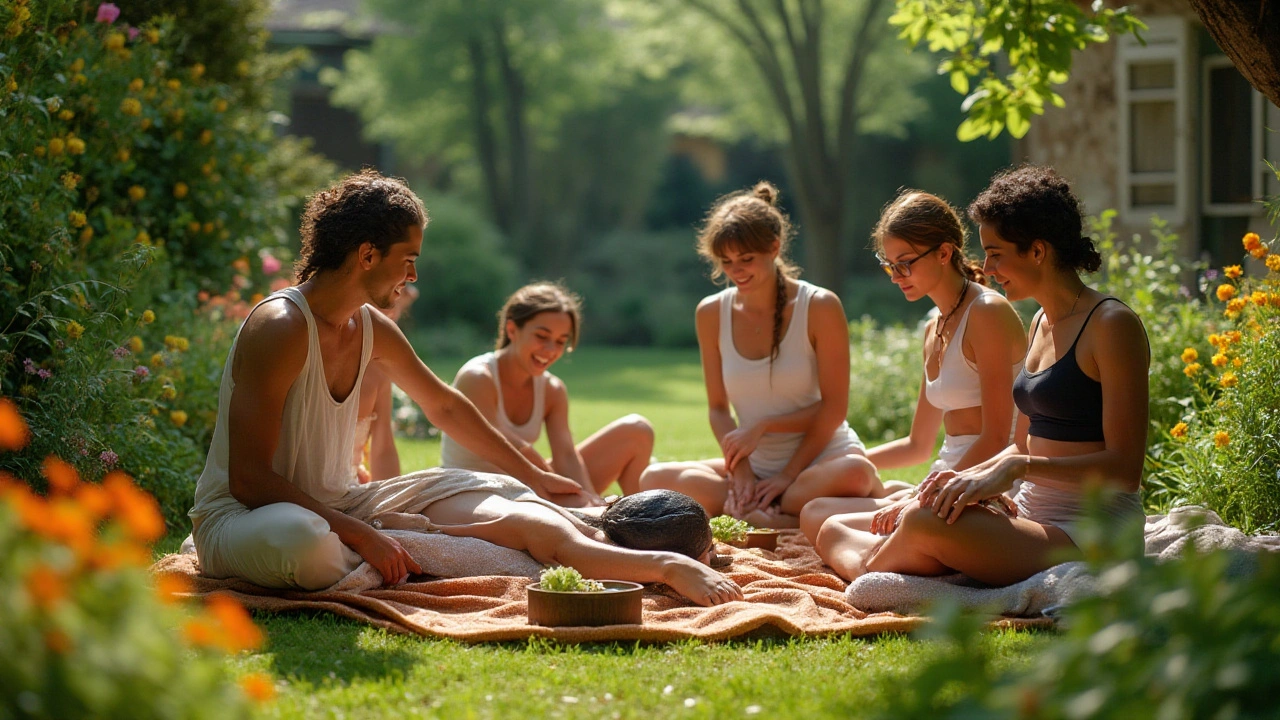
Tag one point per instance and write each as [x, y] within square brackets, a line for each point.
[274, 336]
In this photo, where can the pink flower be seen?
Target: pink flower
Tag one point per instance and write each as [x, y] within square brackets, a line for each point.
[44, 374]
[132, 32]
[141, 371]
[107, 13]
[270, 265]
[121, 352]
[109, 458]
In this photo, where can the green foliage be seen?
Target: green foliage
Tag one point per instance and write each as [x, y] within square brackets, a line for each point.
[1190, 638]
[885, 367]
[727, 529]
[464, 273]
[1036, 37]
[1224, 453]
[130, 182]
[567, 579]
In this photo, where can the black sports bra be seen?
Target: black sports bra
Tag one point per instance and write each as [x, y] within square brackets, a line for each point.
[1061, 401]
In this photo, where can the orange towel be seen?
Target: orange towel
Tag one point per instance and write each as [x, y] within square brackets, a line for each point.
[789, 592]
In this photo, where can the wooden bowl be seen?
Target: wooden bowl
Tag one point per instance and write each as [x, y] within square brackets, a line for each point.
[763, 539]
[618, 604]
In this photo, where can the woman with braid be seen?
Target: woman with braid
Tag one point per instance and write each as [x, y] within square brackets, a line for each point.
[776, 350]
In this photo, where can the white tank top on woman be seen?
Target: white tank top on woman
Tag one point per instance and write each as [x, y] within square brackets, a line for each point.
[453, 455]
[316, 432]
[759, 389]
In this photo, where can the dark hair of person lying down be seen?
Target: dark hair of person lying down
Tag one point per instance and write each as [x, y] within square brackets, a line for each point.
[656, 520]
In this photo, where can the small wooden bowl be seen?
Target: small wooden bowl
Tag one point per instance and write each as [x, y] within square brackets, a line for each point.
[618, 604]
[763, 539]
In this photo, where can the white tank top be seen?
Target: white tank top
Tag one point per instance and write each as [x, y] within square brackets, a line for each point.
[316, 431]
[758, 391]
[957, 385]
[453, 455]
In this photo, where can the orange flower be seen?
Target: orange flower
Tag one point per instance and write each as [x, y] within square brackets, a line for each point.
[45, 586]
[238, 631]
[1258, 298]
[1219, 360]
[258, 687]
[1191, 369]
[1251, 242]
[62, 478]
[1259, 252]
[1235, 307]
[137, 193]
[14, 434]
[1190, 355]
[1233, 271]
[1221, 439]
[1228, 380]
[1226, 292]
[1232, 336]
[1217, 340]
[69, 524]
[200, 632]
[109, 556]
[1273, 263]
[136, 509]
[169, 586]
[57, 641]
[1178, 431]
[95, 500]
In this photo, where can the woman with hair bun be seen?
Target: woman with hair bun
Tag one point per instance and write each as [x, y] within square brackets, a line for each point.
[973, 348]
[513, 388]
[775, 349]
[1082, 410]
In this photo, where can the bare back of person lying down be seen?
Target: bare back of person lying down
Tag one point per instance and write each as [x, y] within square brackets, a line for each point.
[277, 504]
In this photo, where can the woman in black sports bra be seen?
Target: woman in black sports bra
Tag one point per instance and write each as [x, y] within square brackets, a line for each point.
[1082, 408]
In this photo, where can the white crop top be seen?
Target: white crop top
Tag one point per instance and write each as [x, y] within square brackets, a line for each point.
[453, 455]
[957, 385]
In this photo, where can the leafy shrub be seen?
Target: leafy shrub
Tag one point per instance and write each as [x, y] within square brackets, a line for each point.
[885, 367]
[567, 579]
[87, 631]
[1190, 638]
[1224, 453]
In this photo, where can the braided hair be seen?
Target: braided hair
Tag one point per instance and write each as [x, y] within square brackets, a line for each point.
[750, 221]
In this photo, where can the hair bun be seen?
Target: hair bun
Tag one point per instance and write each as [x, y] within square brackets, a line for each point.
[766, 192]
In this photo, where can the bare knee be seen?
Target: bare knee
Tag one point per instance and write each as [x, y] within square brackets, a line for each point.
[825, 538]
[638, 430]
[813, 515]
[660, 476]
[862, 477]
[921, 522]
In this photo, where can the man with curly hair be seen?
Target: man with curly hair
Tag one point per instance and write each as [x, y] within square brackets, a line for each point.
[277, 503]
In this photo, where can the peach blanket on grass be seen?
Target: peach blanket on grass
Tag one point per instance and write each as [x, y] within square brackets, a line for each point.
[788, 592]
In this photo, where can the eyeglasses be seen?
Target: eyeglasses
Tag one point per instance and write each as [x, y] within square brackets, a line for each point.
[901, 268]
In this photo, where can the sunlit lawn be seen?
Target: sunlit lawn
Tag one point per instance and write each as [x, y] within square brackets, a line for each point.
[334, 668]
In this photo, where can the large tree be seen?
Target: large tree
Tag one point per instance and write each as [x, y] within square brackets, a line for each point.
[1248, 31]
[817, 77]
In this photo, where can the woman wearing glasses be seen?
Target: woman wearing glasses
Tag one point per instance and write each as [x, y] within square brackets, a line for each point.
[973, 348]
[1082, 402]
[775, 349]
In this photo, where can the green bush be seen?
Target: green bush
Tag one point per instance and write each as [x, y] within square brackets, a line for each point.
[885, 367]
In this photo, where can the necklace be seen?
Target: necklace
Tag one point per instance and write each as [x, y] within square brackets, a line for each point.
[1073, 307]
[947, 318]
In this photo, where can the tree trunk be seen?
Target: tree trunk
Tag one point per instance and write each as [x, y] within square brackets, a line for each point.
[520, 187]
[486, 143]
[1248, 31]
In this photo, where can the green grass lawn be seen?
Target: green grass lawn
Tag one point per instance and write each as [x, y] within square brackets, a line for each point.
[328, 667]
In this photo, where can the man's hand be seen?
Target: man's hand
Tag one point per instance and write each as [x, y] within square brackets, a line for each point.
[386, 555]
[738, 444]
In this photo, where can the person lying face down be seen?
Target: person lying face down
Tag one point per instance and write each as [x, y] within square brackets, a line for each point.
[663, 520]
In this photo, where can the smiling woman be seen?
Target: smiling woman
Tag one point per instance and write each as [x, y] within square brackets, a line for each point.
[512, 387]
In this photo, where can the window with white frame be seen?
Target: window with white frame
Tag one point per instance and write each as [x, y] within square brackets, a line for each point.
[1233, 174]
[1155, 98]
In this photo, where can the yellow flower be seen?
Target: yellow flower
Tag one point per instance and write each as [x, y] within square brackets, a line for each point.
[114, 41]
[56, 146]
[1273, 263]
[1259, 252]
[77, 219]
[1219, 360]
[220, 105]
[180, 190]
[137, 193]
[177, 115]
[152, 35]
[168, 392]
[174, 84]
[1191, 369]
[12, 85]
[1251, 242]
[1178, 431]
[135, 344]
[131, 106]
[157, 360]
[148, 317]
[1228, 380]
[1235, 307]
[143, 237]
[79, 79]
[1221, 439]
[69, 180]
[145, 124]
[178, 417]
[136, 85]
[208, 227]
[74, 330]
[122, 155]
[52, 104]
[206, 136]
[197, 71]
[39, 151]
[1258, 298]
[86, 234]
[75, 146]
[77, 65]
[1232, 336]
[173, 342]
[1190, 355]
[66, 115]
[1226, 292]
[242, 68]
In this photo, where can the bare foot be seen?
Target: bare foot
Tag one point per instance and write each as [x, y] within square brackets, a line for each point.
[700, 583]
[845, 549]
[771, 518]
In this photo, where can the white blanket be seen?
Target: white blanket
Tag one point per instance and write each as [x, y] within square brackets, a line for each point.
[1166, 536]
